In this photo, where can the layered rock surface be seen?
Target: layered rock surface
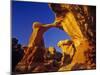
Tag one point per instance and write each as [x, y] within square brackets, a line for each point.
[79, 23]
[35, 56]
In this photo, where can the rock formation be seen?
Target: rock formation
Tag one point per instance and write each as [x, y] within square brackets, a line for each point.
[68, 51]
[79, 23]
[77, 53]
[35, 52]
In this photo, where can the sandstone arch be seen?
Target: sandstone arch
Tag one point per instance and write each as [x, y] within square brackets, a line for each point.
[36, 49]
[75, 20]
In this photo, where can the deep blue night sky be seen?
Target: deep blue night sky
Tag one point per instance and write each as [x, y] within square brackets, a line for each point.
[25, 13]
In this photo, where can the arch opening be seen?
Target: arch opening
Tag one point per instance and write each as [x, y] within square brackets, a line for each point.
[52, 36]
